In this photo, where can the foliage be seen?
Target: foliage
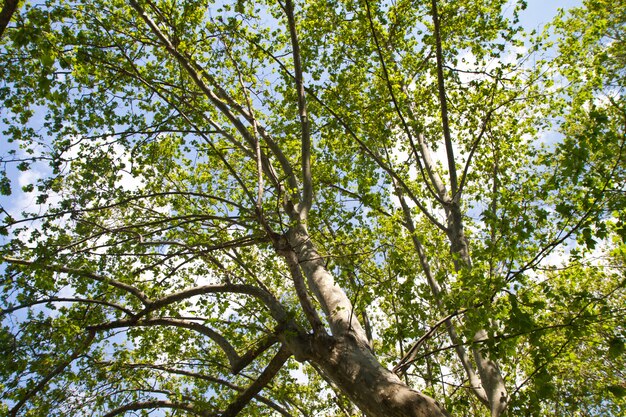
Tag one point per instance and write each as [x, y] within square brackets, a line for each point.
[456, 175]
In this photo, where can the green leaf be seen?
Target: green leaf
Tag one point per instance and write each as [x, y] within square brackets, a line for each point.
[617, 347]
[5, 185]
[617, 390]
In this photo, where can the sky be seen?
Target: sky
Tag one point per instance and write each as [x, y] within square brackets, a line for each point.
[540, 12]
[536, 15]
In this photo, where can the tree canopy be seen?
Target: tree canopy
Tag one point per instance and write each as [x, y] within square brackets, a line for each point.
[305, 208]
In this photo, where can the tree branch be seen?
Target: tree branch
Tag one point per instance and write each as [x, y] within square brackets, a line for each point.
[227, 348]
[361, 143]
[307, 179]
[301, 290]
[143, 405]
[443, 100]
[53, 373]
[8, 9]
[396, 106]
[265, 378]
[276, 309]
[219, 381]
[197, 74]
[66, 300]
[110, 281]
[475, 382]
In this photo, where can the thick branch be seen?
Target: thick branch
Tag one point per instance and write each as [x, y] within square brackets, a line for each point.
[254, 353]
[265, 378]
[334, 301]
[227, 348]
[301, 291]
[276, 309]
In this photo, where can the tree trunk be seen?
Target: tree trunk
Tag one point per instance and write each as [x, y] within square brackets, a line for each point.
[377, 391]
[345, 357]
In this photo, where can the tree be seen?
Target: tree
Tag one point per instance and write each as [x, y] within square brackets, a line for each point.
[313, 208]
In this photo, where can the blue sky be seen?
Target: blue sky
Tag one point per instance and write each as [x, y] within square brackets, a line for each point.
[540, 12]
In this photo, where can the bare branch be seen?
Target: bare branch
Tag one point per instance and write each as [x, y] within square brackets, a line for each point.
[276, 309]
[301, 291]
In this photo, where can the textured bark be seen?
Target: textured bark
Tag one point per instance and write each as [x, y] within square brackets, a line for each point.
[377, 391]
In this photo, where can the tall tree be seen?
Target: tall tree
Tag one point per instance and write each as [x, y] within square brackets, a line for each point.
[312, 208]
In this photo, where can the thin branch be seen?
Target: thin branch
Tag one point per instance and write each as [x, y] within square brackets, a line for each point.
[443, 100]
[53, 373]
[407, 130]
[307, 179]
[475, 383]
[126, 201]
[219, 381]
[227, 348]
[546, 250]
[66, 300]
[153, 404]
[255, 134]
[197, 74]
[361, 143]
[411, 354]
[81, 272]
